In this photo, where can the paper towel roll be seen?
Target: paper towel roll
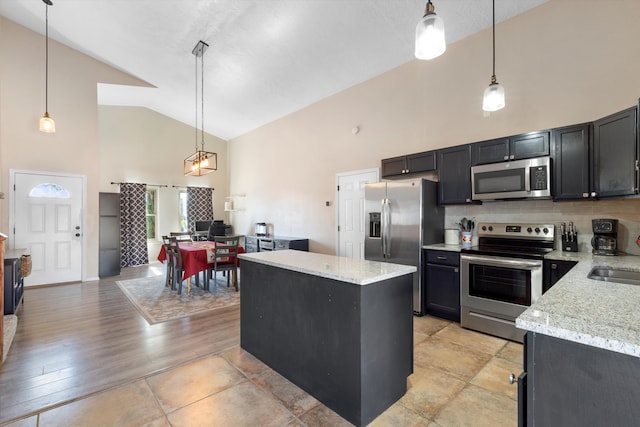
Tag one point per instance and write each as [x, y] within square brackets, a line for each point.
[451, 236]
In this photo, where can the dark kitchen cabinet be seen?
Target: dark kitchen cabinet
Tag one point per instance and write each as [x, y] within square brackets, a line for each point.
[442, 284]
[571, 165]
[554, 270]
[566, 383]
[454, 168]
[491, 151]
[523, 146]
[409, 164]
[13, 281]
[615, 155]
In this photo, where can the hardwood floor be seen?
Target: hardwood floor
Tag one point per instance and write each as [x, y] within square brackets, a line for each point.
[77, 339]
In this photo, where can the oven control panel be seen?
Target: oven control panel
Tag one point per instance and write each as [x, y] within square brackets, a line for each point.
[517, 230]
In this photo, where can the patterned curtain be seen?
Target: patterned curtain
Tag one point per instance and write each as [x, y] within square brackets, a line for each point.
[133, 224]
[199, 205]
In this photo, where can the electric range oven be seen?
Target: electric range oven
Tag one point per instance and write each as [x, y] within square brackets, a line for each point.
[502, 276]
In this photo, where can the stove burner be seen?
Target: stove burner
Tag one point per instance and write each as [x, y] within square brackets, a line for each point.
[514, 240]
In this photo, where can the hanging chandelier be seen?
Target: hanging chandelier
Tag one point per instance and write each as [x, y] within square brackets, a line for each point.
[47, 124]
[201, 162]
[493, 99]
[430, 40]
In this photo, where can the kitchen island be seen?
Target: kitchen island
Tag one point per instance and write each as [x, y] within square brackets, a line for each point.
[582, 358]
[339, 328]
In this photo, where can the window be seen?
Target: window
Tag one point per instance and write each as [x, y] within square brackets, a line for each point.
[184, 222]
[152, 206]
[50, 191]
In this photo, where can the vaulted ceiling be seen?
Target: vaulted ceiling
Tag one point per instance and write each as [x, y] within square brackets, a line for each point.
[267, 58]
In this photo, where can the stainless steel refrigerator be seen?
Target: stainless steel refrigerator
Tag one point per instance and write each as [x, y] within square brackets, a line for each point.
[402, 216]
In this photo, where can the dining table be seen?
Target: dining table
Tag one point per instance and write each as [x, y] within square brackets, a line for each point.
[197, 257]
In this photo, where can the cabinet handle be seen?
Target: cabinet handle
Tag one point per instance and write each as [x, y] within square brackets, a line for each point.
[585, 195]
[456, 270]
[554, 266]
[441, 257]
[511, 157]
[513, 379]
[468, 200]
[594, 194]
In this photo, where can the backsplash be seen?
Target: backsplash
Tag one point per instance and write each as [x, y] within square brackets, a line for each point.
[626, 211]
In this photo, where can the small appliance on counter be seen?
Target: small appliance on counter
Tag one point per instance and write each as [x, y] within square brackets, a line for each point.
[605, 236]
[261, 229]
[569, 237]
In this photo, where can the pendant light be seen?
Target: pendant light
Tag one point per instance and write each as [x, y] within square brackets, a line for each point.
[430, 42]
[201, 162]
[47, 124]
[493, 99]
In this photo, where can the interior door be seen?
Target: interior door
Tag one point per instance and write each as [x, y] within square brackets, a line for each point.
[351, 204]
[47, 218]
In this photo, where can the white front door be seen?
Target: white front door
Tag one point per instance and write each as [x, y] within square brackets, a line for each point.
[47, 219]
[351, 221]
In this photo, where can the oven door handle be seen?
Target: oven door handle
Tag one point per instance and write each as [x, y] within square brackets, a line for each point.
[499, 261]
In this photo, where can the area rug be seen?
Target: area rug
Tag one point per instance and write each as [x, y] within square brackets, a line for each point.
[157, 303]
[10, 323]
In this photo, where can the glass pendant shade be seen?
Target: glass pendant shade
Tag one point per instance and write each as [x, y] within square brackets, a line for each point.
[430, 41]
[47, 125]
[493, 99]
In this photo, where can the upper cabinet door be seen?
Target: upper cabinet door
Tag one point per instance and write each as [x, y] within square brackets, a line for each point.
[491, 151]
[421, 162]
[394, 166]
[615, 155]
[454, 167]
[529, 145]
[571, 164]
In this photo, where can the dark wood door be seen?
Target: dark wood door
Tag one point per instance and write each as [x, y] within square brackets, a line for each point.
[529, 145]
[109, 241]
[421, 162]
[394, 166]
[491, 151]
[442, 291]
[454, 167]
[571, 167]
[553, 271]
[615, 155]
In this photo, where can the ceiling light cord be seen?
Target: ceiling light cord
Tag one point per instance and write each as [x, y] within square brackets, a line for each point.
[493, 78]
[46, 62]
[202, 100]
[196, 103]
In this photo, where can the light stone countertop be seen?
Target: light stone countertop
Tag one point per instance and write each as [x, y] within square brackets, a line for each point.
[592, 312]
[443, 247]
[359, 272]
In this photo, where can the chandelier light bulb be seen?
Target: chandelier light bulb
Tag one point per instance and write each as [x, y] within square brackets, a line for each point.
[430, 39]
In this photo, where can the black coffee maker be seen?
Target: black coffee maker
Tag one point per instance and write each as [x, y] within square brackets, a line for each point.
[605, 236]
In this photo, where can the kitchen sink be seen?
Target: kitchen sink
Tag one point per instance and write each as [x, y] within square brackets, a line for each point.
[617, 275]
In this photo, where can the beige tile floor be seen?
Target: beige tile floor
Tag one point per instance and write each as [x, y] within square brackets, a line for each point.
[460, 379]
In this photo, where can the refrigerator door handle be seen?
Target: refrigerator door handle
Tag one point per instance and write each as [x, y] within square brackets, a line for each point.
[386, 229]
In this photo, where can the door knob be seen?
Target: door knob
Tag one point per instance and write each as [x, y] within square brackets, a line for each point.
[77, 234]
[77, 227]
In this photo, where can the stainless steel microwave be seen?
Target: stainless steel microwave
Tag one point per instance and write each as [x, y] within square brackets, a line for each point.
[520, 179]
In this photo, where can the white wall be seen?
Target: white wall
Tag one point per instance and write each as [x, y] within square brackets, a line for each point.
[564, 62]
[74, 148]
[140, 145]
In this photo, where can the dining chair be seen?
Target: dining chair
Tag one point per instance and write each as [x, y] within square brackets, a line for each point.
[178, 268]
[181, 235]
[226, 258]
[169, 255]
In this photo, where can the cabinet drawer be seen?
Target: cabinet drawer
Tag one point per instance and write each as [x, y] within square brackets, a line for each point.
[281, 245]
[443, 257]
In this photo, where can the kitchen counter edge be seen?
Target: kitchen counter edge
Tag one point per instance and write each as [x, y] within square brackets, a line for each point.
[587, 311]
[355, 271]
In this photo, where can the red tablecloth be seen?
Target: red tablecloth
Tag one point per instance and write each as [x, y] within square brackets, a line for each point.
[194, 256]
